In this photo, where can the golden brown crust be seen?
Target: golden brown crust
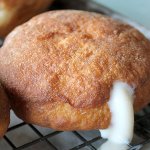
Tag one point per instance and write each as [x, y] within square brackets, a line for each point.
[16, 12]
[62, 116]
[71, 59]
[4, 112]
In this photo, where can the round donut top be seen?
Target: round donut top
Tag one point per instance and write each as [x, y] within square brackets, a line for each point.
[73, 56]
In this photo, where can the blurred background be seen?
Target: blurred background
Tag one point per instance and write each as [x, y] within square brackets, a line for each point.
[13, 13]
[137, 10]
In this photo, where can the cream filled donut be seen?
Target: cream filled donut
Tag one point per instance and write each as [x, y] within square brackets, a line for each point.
[61, 67]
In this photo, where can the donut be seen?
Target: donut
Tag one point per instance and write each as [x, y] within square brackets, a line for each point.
[59, 68]
[4, 112]
[15, 12]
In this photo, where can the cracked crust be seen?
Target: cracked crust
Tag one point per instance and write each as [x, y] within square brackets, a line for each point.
[61, 63]
[4, 112]
[15, 12]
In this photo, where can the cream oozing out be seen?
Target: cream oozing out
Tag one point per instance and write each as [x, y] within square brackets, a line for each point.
[120, 131]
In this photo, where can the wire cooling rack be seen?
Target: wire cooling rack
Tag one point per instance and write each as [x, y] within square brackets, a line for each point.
[31, 137]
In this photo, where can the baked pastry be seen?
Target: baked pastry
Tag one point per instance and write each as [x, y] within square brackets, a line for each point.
[4, 112]
[15, 12]
[59, 68]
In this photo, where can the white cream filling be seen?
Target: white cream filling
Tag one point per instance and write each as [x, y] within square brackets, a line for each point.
[120, 131]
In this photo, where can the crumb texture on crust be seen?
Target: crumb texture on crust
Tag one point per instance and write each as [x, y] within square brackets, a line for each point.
[15, 12]
[4, 112]
[73, 57]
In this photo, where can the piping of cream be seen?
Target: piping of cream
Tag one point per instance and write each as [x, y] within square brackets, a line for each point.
[120, 131]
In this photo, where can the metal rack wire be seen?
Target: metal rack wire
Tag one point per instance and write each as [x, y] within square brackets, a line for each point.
[89, 140]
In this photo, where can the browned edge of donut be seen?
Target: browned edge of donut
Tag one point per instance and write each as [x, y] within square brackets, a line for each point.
[4, 112]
